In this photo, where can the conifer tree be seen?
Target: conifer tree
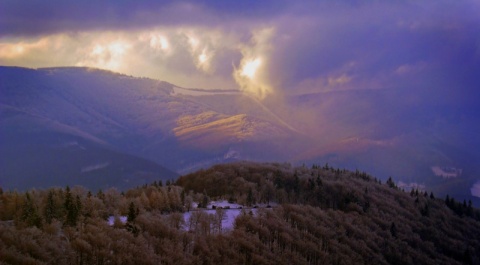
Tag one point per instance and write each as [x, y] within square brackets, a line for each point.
[72, 208]
[29, 212]
[250, 199]
[393, 230]
[391, 183]
[132, 212]
[50, 208]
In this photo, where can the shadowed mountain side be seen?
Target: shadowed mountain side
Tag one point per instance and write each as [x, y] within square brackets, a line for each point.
[37, 152]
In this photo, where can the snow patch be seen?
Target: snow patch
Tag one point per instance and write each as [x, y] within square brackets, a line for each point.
[231, 211]
[224, 204]
[231, 154]
[446, 172]
[111, 220]
[475, 189]
[199, 92]
[94, 167]
[227, 222]
[411, 186]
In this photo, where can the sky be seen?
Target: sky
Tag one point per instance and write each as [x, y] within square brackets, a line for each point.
[260, 47]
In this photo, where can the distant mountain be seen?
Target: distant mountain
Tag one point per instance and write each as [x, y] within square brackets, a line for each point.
[49, 116]
[416, 138]
[394, 133]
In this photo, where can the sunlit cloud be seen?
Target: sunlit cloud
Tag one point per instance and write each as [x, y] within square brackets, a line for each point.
[174, 54]
[45, 51]
[193, 42]
[9, 51]
[252, 74]
[203, 49]
[21, 49]
[157, 42]
[250, 67]
[107, 55]
[204, 59]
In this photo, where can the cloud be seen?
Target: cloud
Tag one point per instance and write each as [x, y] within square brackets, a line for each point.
[251, 75]
[37, 17]
[415, 47]
[422, 48]
[110, 55]
[187, 56]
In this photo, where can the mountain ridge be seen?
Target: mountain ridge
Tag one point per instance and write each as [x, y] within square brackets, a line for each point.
[137, 116]
[186, 129]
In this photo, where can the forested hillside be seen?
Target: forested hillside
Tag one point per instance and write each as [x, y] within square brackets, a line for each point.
[289, 215]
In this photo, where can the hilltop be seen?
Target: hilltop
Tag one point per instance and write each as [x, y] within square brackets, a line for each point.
[316, 215]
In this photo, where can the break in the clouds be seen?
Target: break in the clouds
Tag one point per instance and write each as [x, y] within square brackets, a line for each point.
[429, 48]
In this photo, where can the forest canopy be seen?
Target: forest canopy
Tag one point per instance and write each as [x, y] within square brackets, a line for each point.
[289, 215]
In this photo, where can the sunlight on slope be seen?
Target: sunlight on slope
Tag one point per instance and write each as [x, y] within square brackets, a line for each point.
[234, 126]
[195, 131]
[187, 121]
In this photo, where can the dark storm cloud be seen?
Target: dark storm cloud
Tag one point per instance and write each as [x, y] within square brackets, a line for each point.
[430, 48]
[46, 17]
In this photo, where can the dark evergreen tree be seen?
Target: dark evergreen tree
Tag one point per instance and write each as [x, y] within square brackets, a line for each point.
[296, 185]
[250, 199]
[391, 183]
[132, 212]
[393, 230]
[425, 211]
[30, 213]
[72, 208]
[470, 209]
[319, 181]
[101, 195]
[50, 211]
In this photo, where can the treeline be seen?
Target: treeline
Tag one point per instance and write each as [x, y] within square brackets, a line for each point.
[36, 207]
[321, 215]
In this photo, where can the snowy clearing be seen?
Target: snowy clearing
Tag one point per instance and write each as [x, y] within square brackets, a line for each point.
[111, 220]
[475, 189]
